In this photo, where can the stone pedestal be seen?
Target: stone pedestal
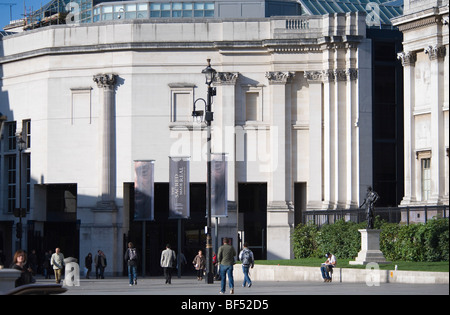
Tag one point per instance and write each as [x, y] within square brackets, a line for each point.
[370, 248]
[8, 279]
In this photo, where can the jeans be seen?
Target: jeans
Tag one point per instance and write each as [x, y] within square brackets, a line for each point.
[132, 274]
[325, 273]
[99, 274]
[247, 279]
[224, 270]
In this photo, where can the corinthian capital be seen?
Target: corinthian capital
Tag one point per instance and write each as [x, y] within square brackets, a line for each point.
[435, 52]
[279, 77]
[408, 58]
[105, 80]
[226, 78]
[313, 76]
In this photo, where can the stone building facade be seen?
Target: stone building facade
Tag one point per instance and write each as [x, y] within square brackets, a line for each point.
[292, 113]
[425, 60]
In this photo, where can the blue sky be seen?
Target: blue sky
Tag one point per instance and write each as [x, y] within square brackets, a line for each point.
[17, 9]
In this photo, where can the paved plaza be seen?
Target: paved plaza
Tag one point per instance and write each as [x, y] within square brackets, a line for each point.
[189, 286]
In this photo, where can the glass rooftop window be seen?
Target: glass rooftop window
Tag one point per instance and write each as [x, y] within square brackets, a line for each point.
[114, 11]
[327, 7]
[386, 12]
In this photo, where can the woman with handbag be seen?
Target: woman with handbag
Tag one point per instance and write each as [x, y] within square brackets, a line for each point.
[199, 264]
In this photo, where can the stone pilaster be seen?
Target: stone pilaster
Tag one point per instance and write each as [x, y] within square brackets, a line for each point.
[280, 214]
[408, 60]
[436, 55]
[224, 128]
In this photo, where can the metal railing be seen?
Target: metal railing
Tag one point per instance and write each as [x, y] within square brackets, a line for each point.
[403, 215]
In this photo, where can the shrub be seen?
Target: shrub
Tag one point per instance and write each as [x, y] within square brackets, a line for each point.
[304, 238]
[408, 246]
[443, 244]
[430, 235]
[388, 240]
[414, 242]
[341, 238]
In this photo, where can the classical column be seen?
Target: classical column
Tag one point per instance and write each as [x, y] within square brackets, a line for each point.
[106, 82]
[280, 206]
[315, 181]
[351, 139]
[436, 55]
[340, 138]
[408, 61]
[329, 148]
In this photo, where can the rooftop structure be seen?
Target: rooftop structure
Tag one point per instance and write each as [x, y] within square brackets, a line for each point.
[379, 12]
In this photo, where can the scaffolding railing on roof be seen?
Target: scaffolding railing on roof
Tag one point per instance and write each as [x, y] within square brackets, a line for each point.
[54, 12]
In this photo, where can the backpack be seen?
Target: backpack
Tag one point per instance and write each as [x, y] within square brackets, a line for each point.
[132, 254]
[246, 257]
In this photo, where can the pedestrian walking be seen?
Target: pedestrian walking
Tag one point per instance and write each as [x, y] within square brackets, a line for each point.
[215, 266]
[199, 263]
[225, 259]
[181, 263]
[131, 257]
[46, 265]
[100, 264]
[88, 265]
[248, 261]
[33, 261]
[168, 260]
[57, 261]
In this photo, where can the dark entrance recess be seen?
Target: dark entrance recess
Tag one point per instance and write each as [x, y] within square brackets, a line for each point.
[387, 116]
[164, 231]
[300, 201]
[65, 235]
[253, 206]
[61, 228]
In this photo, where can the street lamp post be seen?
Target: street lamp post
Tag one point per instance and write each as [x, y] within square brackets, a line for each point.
[209, 73]
[21, 212]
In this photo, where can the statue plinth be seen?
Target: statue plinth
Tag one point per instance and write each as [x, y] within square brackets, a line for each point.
[370, 248]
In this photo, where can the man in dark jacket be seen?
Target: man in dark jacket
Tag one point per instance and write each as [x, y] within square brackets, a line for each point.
[225, 258]
[131, 257]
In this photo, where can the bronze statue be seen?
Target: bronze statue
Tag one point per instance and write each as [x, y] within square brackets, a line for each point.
[369, 201]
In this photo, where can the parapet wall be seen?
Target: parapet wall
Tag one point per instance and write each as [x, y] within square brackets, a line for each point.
[371, 276]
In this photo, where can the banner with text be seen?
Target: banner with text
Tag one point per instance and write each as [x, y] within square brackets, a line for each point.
[219, 185]
[144, 190]
[179, 188]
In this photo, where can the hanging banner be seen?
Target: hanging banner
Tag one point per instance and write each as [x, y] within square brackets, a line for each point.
[144, 190]
[219, 185]
[179, 188]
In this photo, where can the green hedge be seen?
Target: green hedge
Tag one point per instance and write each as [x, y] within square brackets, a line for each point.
[414, 242]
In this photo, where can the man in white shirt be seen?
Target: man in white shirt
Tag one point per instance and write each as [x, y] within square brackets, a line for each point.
[57, 261]
[327, 267]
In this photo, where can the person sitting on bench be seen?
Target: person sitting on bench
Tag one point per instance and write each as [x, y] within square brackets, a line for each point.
[327, 267]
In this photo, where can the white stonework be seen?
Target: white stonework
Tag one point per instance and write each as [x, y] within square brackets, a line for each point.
[100, 96]
[425, 60]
